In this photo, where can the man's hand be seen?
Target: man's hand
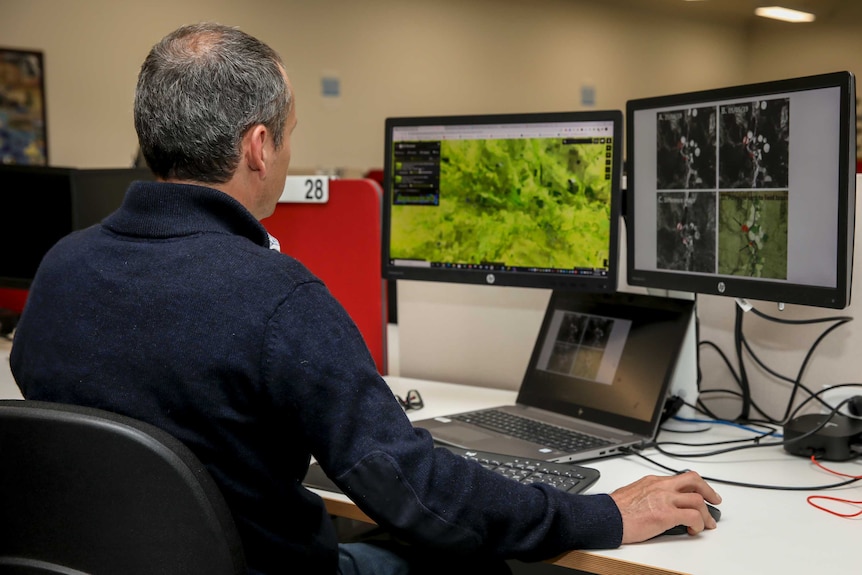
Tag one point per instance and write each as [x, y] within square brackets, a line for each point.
[652, 505]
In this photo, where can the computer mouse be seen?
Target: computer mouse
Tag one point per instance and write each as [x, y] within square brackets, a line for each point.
[682, 529]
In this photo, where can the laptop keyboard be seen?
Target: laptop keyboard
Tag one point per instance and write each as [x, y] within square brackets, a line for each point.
[531, 430]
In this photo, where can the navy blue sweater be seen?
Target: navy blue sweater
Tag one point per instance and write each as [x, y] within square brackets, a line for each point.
[175, 312]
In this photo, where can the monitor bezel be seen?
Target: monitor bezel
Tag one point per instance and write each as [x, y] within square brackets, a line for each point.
[22, 281]
[837, 297]
[555, 281]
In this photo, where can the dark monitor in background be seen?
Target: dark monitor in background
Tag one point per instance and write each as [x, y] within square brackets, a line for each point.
[98, 192]
[39, 205]
[745, 191]
[35, 212]
[529, 200]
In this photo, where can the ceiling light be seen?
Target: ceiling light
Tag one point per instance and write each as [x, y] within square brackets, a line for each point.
[785, 14]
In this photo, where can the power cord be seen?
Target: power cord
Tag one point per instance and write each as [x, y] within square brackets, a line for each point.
[743, 483]
[740, 375]
[749, 443]
[797, 382]
[814, 499]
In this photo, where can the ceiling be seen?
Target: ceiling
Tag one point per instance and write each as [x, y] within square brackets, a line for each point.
[742, 11]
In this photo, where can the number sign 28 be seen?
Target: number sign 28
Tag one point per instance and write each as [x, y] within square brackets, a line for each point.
[305, 190]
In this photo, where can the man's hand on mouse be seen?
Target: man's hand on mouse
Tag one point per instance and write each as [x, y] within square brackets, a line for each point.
[652, 505]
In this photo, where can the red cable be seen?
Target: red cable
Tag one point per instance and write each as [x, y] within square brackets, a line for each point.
[812, 498]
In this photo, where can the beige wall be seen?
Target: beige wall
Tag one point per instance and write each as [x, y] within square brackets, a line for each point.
[404, 57]
[409, 57]
[394, 57]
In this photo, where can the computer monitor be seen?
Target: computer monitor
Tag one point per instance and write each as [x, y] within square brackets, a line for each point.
[39, 205]
[745, 191]
[529, 200]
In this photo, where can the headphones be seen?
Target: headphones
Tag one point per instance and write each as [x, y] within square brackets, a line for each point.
[854, 406]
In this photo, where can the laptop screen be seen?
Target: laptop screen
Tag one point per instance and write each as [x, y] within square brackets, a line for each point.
[608, 359]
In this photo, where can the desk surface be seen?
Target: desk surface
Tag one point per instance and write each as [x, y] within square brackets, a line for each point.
[761, 531]
[8, 387]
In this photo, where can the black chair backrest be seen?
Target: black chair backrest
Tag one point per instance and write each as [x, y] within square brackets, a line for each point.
[85, 491]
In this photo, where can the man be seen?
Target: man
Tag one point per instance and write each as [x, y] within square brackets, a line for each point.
[175, 311]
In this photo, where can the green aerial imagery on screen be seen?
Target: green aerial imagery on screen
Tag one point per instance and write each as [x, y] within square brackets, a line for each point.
[517, 202]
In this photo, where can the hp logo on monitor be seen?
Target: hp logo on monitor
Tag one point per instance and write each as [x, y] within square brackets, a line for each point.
[721, 287]
[490, 278]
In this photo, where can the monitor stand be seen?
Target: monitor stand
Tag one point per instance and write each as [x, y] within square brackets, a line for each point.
[684, 383]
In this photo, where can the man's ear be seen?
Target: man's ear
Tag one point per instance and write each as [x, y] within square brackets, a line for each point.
[254, 149]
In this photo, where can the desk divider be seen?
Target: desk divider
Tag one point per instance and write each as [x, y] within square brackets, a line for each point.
[340, 242]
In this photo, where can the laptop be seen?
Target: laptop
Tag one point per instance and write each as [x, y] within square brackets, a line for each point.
[602, 366]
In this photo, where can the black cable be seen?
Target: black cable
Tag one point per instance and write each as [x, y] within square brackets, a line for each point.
[764, 315]
[730, 368]
[723, 357]
[699, 376]
[702, 408]
[807, 359]
[745, 484]
[839, 321]
[763, 366]
[768, 425]
[797, 383]
[744, 383]
[816, 396]
[750, 443]
[743, 376]
[754, 404]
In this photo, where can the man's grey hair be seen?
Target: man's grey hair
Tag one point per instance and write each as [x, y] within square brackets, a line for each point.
[199, 90]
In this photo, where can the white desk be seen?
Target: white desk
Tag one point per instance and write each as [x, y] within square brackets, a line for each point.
[761, 531]
[8, 388]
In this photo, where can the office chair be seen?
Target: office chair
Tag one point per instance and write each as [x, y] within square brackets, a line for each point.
[88, 492]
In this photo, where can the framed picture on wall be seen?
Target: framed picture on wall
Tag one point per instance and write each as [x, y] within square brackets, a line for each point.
[23, 130]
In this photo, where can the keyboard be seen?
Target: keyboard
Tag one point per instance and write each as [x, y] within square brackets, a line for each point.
[564, 476]
[559, 438]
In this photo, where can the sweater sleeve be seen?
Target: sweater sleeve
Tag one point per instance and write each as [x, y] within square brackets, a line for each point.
[322, 377]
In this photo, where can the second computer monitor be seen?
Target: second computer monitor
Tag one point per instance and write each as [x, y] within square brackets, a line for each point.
[529, 200]
[745, 191]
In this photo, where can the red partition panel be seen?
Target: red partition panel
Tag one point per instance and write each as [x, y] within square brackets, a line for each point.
[13, 299]
[340, 242]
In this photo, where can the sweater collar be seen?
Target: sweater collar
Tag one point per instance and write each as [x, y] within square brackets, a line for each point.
[163, 210]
